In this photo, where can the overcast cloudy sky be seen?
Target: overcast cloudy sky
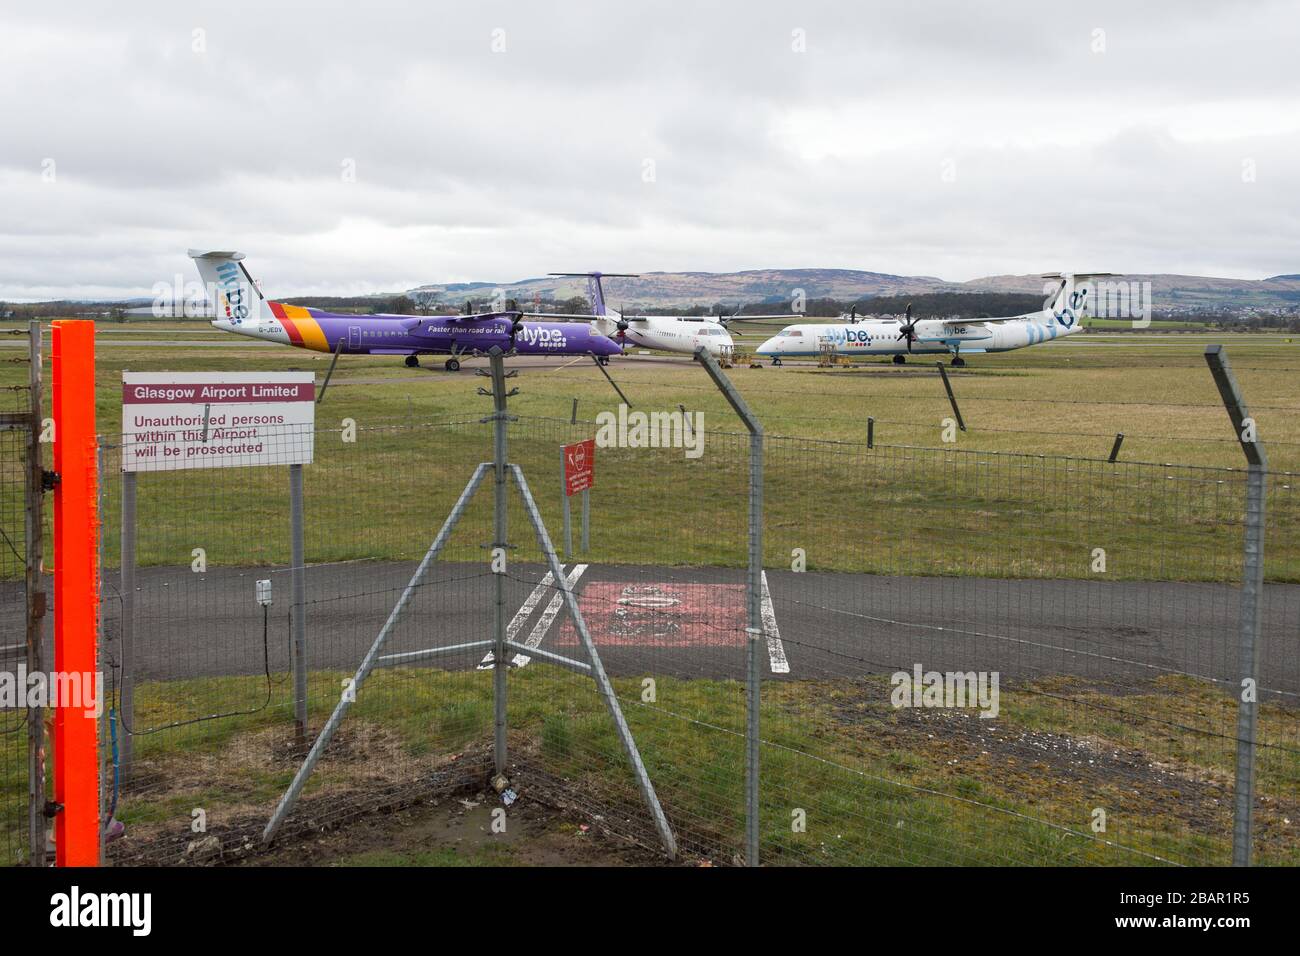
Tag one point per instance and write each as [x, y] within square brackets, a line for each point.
[376, 146]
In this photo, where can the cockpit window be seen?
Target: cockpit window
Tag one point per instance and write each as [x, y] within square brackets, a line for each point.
[791, 331]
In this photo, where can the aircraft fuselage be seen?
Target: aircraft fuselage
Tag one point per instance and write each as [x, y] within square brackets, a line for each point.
[933, 336]
[415, 335]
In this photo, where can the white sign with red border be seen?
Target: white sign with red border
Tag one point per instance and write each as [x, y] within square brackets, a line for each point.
[178, 420]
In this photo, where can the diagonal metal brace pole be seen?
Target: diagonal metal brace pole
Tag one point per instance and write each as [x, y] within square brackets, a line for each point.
[952, 399]
[329, 372]
[597, 668]
[291, 795]
[611, 382]
[1252, 601]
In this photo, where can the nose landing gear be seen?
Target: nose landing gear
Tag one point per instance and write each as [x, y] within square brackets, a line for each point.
[452, 365]
[413, 361]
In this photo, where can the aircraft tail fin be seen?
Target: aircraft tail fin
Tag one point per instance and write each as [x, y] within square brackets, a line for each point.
[233, 293]
[595, 292]
[1070, 290]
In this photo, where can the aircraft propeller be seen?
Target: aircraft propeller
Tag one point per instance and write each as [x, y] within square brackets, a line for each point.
[516, 320]
[908, 329]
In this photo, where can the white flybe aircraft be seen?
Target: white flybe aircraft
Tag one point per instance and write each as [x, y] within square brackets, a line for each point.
[900, 338]
[666, 333]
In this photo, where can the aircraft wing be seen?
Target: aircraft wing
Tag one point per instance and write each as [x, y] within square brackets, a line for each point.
[570, 317]
[1001, 318]
[412, 323]
[559, 317]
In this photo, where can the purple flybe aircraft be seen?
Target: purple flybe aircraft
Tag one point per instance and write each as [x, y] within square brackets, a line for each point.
[241, 308]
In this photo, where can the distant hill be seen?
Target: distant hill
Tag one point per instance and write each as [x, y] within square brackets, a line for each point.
[776, 287]
[1178, 293]
[657, 290]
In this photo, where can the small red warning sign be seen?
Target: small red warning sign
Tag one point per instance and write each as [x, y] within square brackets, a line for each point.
[579, 466]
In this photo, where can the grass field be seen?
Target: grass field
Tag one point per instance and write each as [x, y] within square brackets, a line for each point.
[882, 788]
[1069, 397]
[958, 512]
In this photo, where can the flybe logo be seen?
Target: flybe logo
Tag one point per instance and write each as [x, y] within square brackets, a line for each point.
[546, 338]
[232, 292]
[1069, 315]
[842, 335]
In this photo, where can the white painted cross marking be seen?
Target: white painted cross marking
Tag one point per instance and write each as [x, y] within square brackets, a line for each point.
[548, 616]
[775, 649]
[526, 611]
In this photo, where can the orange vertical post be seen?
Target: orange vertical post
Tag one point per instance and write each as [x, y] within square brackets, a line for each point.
[76, 596]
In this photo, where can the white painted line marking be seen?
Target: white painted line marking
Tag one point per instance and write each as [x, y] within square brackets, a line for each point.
[548, 616]
[775, 649]
[525, 611]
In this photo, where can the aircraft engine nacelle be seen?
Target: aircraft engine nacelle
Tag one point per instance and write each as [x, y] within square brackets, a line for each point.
[932, 329]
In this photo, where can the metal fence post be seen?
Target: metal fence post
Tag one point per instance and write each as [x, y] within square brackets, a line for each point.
[586, 519]
[126, 651]
[34, 521]
[500, 660]
[106, 762]
[76, 588]
[298, 574]
[1252, 601]
[754, 601]
[564, 505]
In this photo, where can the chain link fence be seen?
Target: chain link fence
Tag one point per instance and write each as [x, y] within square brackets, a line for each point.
[966, 657]
[21, 606]
[1019, 659]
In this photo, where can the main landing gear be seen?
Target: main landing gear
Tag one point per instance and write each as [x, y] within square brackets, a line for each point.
[413, 361]
[958, 362]
[900, 359]
[452, 365]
